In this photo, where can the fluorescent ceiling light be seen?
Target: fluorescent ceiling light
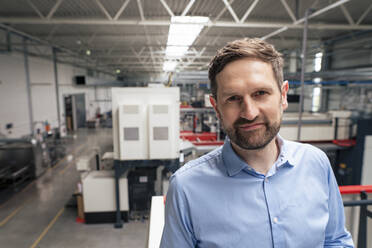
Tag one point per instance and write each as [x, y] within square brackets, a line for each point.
[182, 34]
[169, 65]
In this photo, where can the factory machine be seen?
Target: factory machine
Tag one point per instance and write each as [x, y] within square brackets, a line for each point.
[318, 127]
[21, 161]
[145, 123]
[24, 159]
[146, 137]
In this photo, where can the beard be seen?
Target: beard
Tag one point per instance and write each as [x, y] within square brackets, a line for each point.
[252, 139]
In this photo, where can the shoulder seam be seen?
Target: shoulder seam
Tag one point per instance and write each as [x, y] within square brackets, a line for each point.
[198, 161]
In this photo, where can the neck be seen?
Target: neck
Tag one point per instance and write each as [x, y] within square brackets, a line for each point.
[260, 160]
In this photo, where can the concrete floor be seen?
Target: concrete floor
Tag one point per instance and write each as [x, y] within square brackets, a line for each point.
[36, 216]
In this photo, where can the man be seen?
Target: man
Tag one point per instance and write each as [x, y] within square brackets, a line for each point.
[257, 190]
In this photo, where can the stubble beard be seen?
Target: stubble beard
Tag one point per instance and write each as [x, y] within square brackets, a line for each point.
[253, 139]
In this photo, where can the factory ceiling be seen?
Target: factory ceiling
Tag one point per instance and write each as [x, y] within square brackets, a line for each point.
[129, 37]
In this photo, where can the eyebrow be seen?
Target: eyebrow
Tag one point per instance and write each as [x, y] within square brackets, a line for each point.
[229, 93]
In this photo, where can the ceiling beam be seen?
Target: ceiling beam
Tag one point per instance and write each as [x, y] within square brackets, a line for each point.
[104, 11]
[230, 9]
[146, 55]
[153, 62]
[288, 9]
[54, 9]
[91, 38]
[296, 25]
[35, 9]
[188, 7]
[365, 13]
[142, 61]
[62, 50]
[141, 51]
[347, 15]
[140, 10]
[156, 63]
[222, 12]
[121, 10]
[52, 32]
[249, 11]
[192, 59]
[205, 30]
[300, 21]
[170, 12]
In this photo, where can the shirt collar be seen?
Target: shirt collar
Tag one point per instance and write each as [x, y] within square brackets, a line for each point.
[285, 154]
[234, 164]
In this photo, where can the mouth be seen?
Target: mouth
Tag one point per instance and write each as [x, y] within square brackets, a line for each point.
[248, 127]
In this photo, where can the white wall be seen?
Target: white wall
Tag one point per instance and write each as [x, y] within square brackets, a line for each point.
[43, 93]
[13, 95]
[13, 92]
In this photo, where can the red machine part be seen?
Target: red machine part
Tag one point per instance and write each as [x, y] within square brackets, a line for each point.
[355, 189]
[201, 139]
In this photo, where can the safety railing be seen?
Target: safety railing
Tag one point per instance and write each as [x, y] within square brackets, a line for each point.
[363, 203]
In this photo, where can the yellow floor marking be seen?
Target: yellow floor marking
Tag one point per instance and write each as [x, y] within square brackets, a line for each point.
[10, 216]
[59, 162]
[66, 167]
[23, 190]
[65, 157]
[47, 228]
[72, 162]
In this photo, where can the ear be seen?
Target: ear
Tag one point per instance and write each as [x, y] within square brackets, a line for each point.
[214, 104]
[285, 88]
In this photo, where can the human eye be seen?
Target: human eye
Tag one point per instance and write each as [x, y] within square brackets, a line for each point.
[234, 98]
[261, 93]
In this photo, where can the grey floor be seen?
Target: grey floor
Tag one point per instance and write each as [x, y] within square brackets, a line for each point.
[36, 216]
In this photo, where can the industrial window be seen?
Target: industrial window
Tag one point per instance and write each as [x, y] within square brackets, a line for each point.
[160, 133]
[131, 133]
[160, 109]
[318, 62]
[317, 99]
[130, 109]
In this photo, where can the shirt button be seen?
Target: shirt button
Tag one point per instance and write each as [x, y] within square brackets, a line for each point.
[275, 220]
[266, 180]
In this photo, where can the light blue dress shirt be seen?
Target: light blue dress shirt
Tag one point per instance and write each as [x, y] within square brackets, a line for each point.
[218, 200]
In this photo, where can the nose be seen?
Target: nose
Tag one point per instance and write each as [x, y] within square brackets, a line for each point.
[249, 109]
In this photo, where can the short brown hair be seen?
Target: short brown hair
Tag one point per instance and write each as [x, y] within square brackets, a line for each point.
[245, 48]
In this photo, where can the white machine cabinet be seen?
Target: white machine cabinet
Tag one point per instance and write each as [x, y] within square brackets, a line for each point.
[145, 123]
[99, 192]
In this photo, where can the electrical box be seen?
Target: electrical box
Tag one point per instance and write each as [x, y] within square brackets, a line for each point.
[146, 123]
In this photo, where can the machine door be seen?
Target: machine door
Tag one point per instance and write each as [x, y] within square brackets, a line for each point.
[80, 110]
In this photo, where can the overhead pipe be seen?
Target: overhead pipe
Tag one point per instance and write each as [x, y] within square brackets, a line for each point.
[303, 68]
[54, 50]
[59, 48]
[28, 85]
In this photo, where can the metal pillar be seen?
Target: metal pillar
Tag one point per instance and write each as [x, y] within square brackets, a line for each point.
[119, 222]
[28, 83]
[57, 85]
[303, 68]
[362, 235]
[8, 41]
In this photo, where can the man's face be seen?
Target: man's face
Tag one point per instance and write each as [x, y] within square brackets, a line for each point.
[249, 103]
